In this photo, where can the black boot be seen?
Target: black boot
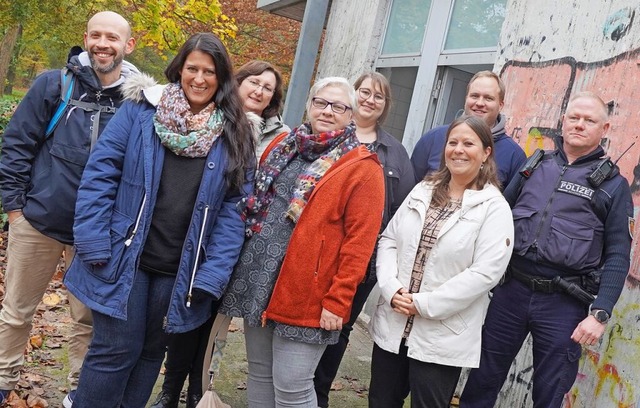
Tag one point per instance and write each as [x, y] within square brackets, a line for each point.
[167, 400]
[193, 399]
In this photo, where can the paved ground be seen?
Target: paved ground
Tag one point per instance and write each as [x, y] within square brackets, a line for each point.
[46, 366]
[350, 387]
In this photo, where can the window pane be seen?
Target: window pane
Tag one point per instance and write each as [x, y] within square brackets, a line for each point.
[402, 81]
[405, 30]
[475, 24]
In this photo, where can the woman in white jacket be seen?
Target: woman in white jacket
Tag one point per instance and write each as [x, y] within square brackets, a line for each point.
[445, 248]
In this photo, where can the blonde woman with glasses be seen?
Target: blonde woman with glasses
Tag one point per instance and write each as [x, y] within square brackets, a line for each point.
[374, 102]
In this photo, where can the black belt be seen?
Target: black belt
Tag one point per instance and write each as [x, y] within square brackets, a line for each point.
[540, 283]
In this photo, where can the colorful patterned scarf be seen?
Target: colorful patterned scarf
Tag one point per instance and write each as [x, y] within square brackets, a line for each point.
[180, 130]
[322, 149]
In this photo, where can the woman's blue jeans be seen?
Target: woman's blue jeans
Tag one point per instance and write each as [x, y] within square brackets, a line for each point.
[125, 356]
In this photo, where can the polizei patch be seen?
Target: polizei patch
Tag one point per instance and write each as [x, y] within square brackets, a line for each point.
[576, 189]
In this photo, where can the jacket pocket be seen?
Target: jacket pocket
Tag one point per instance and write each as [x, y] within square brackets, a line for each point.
[71, 154]
[112, 270]
[392, 180]
[455, 323]
[523, 226]
[570, 242]
[318, 269]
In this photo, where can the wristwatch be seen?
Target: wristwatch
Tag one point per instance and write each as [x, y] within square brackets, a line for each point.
[601, 315]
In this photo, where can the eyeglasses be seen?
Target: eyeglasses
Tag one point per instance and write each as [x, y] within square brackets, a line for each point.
[256, 85]
[336, 107]
[365, 93]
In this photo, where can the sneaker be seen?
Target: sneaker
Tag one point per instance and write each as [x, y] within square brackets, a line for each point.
[67, 402]
[4, 394]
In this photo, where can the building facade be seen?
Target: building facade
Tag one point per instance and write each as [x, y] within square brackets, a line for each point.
[544, 51]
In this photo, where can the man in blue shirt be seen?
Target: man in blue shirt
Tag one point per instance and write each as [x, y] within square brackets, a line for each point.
[485, 99]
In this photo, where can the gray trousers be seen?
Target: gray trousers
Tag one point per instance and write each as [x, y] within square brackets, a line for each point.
[281, 371]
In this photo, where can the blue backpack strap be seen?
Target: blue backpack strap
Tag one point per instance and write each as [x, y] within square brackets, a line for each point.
[66, 90]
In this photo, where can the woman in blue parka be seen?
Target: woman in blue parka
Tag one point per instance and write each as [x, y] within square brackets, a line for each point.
[156, 228]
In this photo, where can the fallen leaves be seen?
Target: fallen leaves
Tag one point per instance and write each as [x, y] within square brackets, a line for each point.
[51, 299]
[354, 384]
[36, 341]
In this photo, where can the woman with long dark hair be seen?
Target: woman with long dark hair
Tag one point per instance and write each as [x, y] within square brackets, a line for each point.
[157, 232]
[260, 89]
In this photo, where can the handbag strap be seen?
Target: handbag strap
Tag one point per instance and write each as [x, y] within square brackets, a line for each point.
[215, 346]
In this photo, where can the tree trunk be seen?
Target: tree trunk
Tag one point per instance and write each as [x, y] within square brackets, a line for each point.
[11, 78]
[6, 52]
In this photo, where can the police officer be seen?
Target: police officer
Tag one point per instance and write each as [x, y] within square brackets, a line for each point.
[572, 218]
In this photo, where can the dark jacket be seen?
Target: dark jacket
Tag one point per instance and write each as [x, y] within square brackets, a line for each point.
[565, 226]
[508, 154]
[398, 173]
[41, 176]
[113, 214]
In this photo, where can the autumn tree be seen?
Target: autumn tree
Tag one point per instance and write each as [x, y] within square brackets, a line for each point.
[262, 35]
[50, 28]
[165, 25]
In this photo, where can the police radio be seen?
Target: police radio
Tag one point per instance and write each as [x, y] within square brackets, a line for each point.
[532, 163]
[604, 169]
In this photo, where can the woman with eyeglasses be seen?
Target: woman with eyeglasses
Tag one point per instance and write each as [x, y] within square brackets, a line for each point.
[260, 87]
[374, 102]
[312, 224]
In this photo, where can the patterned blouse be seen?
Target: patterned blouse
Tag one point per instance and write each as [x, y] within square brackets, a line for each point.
[433, 222]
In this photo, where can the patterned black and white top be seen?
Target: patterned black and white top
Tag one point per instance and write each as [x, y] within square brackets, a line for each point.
[255, 275]
[435, 218]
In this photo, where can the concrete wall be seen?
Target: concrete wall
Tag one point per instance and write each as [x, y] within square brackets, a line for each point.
[549, 50]
[352, 38]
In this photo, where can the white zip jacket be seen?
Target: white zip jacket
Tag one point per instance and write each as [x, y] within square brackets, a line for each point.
[468, 259]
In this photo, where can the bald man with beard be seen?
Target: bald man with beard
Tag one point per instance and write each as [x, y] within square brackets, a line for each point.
[39, 178]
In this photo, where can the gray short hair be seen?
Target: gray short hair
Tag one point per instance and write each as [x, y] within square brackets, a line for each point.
[338, 82]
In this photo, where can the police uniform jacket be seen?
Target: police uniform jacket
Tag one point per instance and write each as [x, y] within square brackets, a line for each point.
[468, 259]
[565, 226]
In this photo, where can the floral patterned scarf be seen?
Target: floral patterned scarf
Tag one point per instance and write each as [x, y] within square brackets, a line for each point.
[180, 130]
[322, 149]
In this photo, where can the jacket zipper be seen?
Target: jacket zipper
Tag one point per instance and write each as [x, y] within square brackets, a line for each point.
[545, 213]
[195, 263]
[135, 228]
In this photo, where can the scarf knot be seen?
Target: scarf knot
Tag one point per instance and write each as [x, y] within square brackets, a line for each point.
[321, 149]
